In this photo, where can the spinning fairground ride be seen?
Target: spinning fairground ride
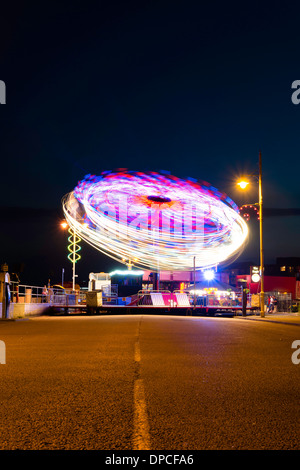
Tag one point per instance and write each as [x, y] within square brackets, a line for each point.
[155, 220]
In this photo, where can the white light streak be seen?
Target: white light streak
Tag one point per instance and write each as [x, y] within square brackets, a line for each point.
[161, 221]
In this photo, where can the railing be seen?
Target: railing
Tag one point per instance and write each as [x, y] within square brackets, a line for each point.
[172, 299]
[110, 294]
[21, 293]
[26, 294]
[211, 300]
[178, 298]
[145, 297]
[64, 299]
[284, 301]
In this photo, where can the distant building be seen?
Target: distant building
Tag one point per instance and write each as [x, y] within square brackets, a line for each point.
[289, 266]
[181, 280]
[282, 277]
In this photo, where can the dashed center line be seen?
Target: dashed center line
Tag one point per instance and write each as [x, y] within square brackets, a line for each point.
[141, 435]
[137, 352]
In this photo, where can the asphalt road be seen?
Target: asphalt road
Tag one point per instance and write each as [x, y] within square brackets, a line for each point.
[148, 382]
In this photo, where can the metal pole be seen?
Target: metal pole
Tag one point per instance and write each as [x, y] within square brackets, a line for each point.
[244, 302]
[73, 260]
[3, 317]
[262, 293]
[194, 281]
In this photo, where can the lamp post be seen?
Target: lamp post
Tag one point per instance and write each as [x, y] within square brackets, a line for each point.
[260, 202]
[194, 282]
[243, 185]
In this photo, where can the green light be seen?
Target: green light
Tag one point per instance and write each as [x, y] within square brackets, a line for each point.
[73, 248]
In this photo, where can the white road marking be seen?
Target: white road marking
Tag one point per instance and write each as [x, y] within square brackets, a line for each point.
[141, 436]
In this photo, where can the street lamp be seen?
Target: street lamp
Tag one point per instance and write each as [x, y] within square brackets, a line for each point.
[243, 184]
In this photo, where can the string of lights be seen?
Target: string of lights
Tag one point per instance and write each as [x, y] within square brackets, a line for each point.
[248, 211]
[156, 220]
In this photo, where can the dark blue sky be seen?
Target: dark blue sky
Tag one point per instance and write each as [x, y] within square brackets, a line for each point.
[195, 88]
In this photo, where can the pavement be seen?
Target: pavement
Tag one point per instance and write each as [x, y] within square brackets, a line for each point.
[278, 317]
[138, 382]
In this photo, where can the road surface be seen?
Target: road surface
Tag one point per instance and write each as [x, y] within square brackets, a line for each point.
[148, 383]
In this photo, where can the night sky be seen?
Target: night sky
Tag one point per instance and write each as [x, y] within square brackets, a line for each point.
[195, 88]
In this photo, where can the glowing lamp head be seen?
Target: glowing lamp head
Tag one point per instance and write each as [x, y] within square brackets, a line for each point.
[64, 225]
[243, 184]
[255, 277]
[209, 275]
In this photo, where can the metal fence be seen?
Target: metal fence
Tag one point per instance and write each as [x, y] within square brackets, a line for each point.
[26, 294]
[21, 293]
[284, 301]
[172, 299]
[110, 294]
[53, 296]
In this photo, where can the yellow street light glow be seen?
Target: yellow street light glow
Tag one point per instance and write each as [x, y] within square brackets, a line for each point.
[243, 184]
[64, 225]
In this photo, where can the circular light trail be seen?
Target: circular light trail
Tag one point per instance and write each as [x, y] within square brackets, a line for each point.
[156, 220]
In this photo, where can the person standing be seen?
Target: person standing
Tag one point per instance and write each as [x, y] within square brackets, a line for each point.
[45, 293]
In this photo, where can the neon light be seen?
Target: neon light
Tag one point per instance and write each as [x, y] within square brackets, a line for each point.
[158, 220]
[126, 273]
[73, 248]
[244, 212]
